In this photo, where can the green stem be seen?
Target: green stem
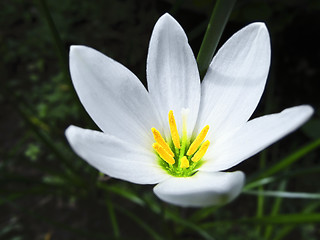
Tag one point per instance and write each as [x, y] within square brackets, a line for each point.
[287, 161]
[288, 228]
[275, 210]
[113, 218]
[56, 37]
[260, 200]
[137, 220]
[217, 23]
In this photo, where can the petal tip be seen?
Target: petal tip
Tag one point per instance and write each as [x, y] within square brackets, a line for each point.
[76, 49]
[309, 109]
[167, 20]
[166, 17]
[69, 132]
[258, 26]
[305, 110]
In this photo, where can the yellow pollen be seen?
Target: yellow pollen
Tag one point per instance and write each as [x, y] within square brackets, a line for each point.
[159, 139]
[184, 163]
[196, 143]
[202, 150]
[163, 153]
[174, 130]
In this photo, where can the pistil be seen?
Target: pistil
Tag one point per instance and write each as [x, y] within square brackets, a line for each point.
[184, 162]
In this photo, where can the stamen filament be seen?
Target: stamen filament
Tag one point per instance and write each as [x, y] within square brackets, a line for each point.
[184, 163]
[202, 150]
[174, 130]
[163, 153]
[196, 143]
[159, 139]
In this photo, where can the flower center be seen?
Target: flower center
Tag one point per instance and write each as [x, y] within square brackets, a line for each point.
[180, 157]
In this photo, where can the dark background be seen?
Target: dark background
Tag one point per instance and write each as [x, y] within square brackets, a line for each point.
[47, 192]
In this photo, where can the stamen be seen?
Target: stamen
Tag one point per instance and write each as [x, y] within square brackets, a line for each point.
[159, 139]
[202, 150]
[163, 153]
[184, 163]
[174, 130]
[196, 143]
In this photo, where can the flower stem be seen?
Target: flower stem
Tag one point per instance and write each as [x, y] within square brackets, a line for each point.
[217, 23]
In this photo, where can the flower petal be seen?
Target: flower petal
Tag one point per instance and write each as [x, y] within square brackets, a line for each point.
[113, 96]
[235, 80]
[202, 189]
[115, 157]
[254, 136]
[172, 73]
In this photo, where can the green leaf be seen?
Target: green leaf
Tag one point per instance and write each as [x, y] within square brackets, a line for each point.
[297, 218]
[203, 213]
[286, 162]
[113, 217]
[275, 209]
[125, 193]
[217, 23]
[63, 57]
[283, 194]
[287, 229]
[140, 222]
[259, 182]
[286, 175]
[170, 215]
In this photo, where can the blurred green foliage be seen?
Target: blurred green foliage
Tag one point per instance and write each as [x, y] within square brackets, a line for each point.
[47, 192]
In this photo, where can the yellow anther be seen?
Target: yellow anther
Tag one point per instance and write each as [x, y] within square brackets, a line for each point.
[159, 139]
[196, 143]
[202, 150]
[184, 163]
[163, 153]
[174, 130]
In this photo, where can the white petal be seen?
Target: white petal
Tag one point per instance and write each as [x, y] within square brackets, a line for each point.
[113, 96]
[235, 80]
[254, 136]
[115, 157]
[172, 72]
[202, 189]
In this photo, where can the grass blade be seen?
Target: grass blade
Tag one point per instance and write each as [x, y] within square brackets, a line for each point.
[283, 194]
[287, 161]
[275, 209]
[287, 229]
[296, 218]
[217, 23]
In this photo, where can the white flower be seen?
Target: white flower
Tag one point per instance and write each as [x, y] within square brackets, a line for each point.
[132, 119]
